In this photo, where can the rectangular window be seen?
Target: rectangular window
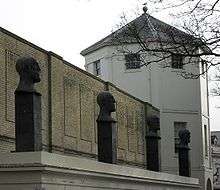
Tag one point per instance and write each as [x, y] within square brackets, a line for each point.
[177, 127]
[203, 66]
[206, 139]
[132, 61]
[177, 61]
[97, 68]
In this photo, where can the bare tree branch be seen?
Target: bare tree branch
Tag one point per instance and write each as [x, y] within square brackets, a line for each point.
[198, 40]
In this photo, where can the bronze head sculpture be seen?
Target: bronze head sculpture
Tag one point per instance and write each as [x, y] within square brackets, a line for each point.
[29, 72]
[106, 103]
[184, 136]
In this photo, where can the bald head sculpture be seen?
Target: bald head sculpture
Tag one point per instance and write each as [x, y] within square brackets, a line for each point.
[29, 72]
[184, 136]
[106, 103]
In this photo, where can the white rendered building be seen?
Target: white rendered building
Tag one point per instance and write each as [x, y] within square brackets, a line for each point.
[216, 158]
[182, 102]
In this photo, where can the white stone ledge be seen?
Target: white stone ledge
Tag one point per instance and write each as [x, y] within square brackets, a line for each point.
[61, 167]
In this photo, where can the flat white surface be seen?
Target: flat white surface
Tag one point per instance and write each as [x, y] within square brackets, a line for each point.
[30, 161]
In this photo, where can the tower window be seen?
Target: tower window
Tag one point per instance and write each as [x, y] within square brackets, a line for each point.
[177, 61]
[203, 66]
[132, 61]
[97, 68]
[206, 139]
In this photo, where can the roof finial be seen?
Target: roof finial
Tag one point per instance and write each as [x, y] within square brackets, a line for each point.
[145, 9]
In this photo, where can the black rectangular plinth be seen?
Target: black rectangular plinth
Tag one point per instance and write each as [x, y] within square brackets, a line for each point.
[107, 150]
[28, 121]
[184, 162]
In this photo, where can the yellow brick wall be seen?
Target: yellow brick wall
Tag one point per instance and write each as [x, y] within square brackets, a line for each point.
[69, 108]
[131, 127]
[10, 49]
[80, 110]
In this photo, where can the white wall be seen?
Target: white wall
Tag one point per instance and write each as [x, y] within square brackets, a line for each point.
[26, 170]
[179, 100]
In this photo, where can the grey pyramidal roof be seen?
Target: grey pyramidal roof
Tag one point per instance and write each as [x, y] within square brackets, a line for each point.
[148, 28]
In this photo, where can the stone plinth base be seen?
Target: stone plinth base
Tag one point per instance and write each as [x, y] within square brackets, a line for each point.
[107, 148]
[28, 121]
[48, 171]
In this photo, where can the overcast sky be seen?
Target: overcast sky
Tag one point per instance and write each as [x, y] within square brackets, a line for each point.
[68, 26]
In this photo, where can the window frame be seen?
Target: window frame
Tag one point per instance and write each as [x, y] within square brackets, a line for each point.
[97, 67]
[203, 67]
[132, 61]
[177, 61]
[206, 140]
